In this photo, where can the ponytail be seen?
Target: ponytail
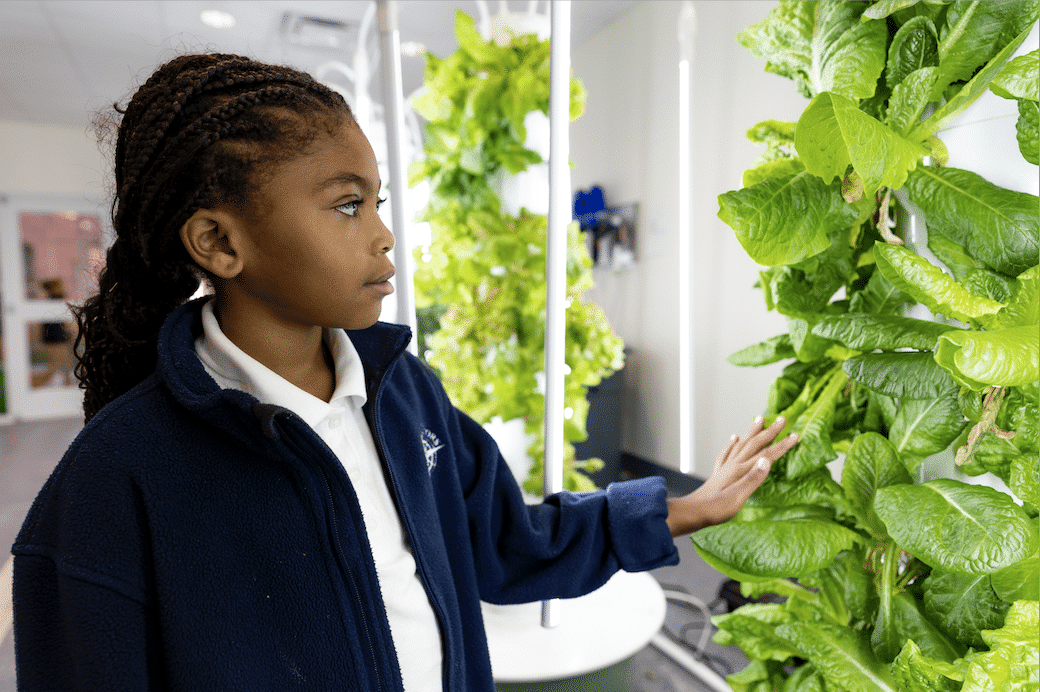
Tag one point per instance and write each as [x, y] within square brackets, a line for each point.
[198, 134]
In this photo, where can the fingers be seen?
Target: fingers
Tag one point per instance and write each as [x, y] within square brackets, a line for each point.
[757, 438]
[778, 449]
[724, 454]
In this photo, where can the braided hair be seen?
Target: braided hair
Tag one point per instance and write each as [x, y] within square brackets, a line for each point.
[199, 133]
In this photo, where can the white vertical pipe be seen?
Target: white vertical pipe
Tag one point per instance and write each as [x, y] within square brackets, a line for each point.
[362, 72]
[686, 27]
[393, 95]
[556, 256]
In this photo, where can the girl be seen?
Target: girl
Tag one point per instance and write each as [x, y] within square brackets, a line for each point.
[270, 492]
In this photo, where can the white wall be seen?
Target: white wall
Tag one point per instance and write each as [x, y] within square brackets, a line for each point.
[627, 142]
[52, 159]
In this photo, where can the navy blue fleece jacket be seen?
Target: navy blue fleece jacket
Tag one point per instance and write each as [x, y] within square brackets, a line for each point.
[193, 538]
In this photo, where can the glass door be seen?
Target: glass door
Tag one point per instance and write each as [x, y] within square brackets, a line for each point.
[51, 250]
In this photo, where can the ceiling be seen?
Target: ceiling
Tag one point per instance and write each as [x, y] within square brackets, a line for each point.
[63, 61]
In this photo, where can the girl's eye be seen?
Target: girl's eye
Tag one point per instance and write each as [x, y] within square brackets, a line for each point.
[349, 208]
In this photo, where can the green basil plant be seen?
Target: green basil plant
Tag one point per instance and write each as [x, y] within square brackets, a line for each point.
[889, 583]
[488, 265]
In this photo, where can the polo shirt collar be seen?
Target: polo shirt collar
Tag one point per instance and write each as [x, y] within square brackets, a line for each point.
[244, 372]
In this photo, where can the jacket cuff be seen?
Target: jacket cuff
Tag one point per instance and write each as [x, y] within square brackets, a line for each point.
[636, 514]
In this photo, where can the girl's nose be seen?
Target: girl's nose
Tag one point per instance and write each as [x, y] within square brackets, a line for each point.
[385, 238]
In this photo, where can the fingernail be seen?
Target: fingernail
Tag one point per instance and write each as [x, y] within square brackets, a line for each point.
[762, 463]
[733, 437]
[793, 436]
[781, 419]
[758, 419]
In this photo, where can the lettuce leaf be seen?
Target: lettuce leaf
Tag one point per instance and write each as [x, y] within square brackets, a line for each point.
[817, 488]
[842, 655]
[833, 133]
[813, 426]
[910, 622]
[778, 168]
[778, 136]
[1017, 79]
[1022, 306]
[763, 353]
[886, 332]
[1013, 662]
[996, 226]
[757, 676]
[1026, 130]
[1006, 357]
[753, 626]
[782, 221]
[970, 92]
[884, 8]
[1018, 582]
[915, 46]
[974, 32]
[870, 464]
[929, 285]
[879, 297]
[963, 604]
[821, 46]
[1025, 469]
[848, 55]
[909, 99]
[790, 542]
[957, 527]
[902, 375]
[953, 256]
[915, 672]
[923, 427]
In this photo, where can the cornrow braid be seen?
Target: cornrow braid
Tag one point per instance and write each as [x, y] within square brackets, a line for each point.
[200, 132]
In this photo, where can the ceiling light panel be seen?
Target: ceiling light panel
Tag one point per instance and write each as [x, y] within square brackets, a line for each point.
[218, 19]
[321, 32]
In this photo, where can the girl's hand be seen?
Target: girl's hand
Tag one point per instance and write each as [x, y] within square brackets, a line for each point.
[739, 469]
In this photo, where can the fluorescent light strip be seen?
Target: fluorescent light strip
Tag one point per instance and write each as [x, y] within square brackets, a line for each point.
[685, 337]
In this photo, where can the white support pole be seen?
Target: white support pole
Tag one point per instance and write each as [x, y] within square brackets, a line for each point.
[687, 430]
[393, 95]
[556, 256]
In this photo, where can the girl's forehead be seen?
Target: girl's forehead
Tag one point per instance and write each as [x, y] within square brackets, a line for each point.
[345, 150]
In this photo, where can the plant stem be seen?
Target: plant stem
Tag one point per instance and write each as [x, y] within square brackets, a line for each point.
[889, 571]
[885, 223]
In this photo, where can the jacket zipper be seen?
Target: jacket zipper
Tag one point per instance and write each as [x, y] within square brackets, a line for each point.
[408, 528]
[341, 556]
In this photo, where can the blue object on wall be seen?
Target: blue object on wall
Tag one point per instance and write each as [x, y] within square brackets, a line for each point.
[587, 206]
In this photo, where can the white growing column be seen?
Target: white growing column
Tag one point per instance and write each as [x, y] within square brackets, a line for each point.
[556, 257]
[393, 95]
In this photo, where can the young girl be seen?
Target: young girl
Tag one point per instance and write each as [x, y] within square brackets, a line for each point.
[270, 492]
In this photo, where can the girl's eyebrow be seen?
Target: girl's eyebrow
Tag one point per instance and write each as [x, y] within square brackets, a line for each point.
[345, 178]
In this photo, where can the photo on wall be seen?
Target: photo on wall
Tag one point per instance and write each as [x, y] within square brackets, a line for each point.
[613, 237]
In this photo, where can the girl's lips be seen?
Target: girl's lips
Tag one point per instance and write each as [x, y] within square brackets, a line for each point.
[382, 284]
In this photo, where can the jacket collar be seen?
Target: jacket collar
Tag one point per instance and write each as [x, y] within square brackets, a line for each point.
[180, 370]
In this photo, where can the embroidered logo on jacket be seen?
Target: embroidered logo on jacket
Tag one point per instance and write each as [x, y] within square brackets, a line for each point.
[431, 443]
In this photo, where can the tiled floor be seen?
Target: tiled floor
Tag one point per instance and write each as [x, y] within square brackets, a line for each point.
[28, 453]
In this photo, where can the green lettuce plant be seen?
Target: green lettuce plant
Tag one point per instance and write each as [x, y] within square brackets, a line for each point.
[488, 265]
[889, 583]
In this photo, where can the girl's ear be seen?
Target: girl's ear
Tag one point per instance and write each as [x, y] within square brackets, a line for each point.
[211, 236]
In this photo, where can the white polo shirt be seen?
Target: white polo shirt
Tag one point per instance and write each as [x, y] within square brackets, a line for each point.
[341, 424]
